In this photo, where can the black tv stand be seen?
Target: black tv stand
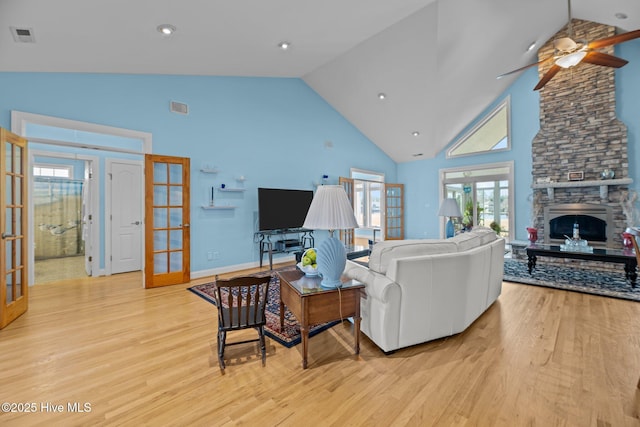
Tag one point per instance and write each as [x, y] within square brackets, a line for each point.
[284, 243]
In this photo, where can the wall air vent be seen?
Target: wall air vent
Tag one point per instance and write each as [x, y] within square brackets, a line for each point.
[23, 35]
[179, 107]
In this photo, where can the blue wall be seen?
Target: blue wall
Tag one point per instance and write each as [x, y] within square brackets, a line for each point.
[421, 178]
[273, 131]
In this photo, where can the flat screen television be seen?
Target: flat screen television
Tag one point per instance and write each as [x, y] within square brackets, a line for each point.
[281, 209]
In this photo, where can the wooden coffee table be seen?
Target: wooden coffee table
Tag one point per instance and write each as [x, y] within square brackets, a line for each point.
[312, 304]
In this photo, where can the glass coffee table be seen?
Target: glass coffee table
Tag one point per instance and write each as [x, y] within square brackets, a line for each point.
[620, 256]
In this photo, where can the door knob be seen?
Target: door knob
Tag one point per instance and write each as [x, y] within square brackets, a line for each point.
[5, 235]
[135, 223]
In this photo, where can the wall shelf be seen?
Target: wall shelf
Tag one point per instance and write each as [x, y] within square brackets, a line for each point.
[237, 190]
[602, 183]
[208, 208]
[204, 170]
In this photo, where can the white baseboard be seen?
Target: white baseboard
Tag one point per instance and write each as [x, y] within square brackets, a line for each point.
[245, 266]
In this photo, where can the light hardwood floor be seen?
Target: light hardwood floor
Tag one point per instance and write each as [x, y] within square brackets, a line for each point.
[537, 357]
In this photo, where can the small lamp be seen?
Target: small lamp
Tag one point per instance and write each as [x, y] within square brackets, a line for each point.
[330, 210]
[449, 207]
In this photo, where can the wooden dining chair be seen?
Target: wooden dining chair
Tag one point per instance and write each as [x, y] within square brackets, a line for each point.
[241, 303]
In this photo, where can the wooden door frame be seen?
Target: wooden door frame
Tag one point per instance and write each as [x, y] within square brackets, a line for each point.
[19, 306]
[148, 221]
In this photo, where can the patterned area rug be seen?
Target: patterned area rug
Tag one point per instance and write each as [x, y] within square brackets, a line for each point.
[287, 336]
[607, 283]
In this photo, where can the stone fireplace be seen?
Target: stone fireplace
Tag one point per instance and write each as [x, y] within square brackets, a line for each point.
[580, 137]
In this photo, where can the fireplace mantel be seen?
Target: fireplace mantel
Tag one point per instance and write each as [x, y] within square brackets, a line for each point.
[602, 183]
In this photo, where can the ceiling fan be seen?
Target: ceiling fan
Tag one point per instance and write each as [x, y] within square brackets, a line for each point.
[569, 53]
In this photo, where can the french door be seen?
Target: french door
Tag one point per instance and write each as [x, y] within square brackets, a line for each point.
[394, 211]
[167, 217]
[13, 227]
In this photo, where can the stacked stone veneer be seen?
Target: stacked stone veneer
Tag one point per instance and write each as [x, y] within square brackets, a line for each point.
[579, 131]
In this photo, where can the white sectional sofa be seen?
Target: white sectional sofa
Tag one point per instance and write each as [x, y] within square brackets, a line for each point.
[421, 290]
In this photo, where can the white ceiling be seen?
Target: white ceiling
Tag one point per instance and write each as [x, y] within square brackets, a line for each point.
[436, 60]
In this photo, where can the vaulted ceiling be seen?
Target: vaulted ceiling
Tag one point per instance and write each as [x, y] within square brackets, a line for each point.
[435, 60]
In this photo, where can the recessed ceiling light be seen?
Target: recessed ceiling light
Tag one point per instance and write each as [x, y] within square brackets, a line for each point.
[415, 133]
[284, 45]
[531, 46]
[621, 15]
[382, 95]
[166, 29]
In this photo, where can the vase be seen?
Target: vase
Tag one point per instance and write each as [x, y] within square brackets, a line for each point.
[532, 234]
[626, 240]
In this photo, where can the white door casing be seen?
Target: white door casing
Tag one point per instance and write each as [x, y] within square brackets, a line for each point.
[125, 210]
[19, 123]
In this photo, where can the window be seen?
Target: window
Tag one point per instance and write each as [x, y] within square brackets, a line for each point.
[53, 171]
[484, 194]
[368, 191]
[491, 134]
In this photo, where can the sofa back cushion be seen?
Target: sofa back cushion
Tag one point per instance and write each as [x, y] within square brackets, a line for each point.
[383, 252]
[486, 234]
[466, 241]
[477, 237]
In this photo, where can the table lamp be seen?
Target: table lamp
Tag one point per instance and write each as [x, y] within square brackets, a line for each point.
[330, 210]
[449, 207]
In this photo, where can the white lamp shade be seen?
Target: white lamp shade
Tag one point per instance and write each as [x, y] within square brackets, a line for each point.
[449, 207]
[330, 210]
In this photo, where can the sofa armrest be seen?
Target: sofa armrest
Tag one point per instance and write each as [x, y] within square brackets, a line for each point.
[380, 310]
[378, 285]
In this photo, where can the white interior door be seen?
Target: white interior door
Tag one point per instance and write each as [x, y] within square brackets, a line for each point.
[126, 215]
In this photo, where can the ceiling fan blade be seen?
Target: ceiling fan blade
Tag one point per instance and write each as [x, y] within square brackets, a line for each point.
[524, 68]
[604, 59]
[618, 38]
[548, 76]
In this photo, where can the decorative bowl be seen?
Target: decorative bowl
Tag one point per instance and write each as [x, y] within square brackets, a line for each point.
[307, 266]
[607, 174]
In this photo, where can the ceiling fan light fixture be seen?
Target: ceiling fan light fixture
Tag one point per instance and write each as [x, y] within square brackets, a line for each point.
[166, 29]
[571, 59]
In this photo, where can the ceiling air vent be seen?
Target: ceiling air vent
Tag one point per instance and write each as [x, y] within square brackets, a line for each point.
[179, 107]
[23, 35]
